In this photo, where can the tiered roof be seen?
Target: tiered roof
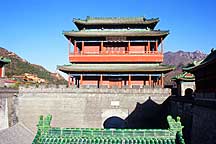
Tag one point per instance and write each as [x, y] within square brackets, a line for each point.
[185, 76]
[49, 135]
[134, 29]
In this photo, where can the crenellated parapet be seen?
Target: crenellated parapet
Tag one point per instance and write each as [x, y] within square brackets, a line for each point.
[63, 89]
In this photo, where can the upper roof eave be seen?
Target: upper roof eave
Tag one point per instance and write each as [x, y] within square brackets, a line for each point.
[115, 21]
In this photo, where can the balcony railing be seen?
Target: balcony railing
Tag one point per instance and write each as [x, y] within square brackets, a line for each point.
[116, 57]
[118, 53]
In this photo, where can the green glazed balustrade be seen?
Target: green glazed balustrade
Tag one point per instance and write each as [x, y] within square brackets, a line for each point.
[110, 132]
[49, 135]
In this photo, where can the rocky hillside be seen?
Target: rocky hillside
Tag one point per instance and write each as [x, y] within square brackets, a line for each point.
[19, 66]
[180, 59]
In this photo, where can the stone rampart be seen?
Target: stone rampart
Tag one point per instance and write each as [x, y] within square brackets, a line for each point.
[73, 107]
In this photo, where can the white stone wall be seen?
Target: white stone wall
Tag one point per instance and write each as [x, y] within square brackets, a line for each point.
[81, 107]
[186, 85]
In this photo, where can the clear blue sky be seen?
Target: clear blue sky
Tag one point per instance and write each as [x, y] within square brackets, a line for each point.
[33, 28]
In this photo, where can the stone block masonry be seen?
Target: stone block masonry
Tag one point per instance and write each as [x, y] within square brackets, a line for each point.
[7, 107]
[79, 108]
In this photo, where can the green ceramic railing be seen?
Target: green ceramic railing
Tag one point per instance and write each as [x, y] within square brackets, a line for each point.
[50, 135]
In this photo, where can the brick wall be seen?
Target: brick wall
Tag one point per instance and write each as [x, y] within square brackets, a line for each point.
[83, 107]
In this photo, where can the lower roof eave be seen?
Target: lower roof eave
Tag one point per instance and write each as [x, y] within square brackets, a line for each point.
[69, 69]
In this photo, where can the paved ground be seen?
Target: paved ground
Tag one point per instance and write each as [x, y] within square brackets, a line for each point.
[17, 134]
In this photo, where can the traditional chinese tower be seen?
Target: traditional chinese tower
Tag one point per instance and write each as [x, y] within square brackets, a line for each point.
[116, 52]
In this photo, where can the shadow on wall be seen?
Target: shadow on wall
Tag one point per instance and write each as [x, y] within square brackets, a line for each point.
[150, 115]
[181, 106]
[147, 115]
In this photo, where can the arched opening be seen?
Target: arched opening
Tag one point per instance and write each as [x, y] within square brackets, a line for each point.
[114, 122]
[189, 92]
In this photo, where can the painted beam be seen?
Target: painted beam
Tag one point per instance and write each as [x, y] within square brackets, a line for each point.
[113, 75]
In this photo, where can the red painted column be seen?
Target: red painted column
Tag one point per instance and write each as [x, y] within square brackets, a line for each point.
[101, 80]
[1, 71]
[162, 81]
[159, 82]
[81, 79]
[102, 47]
[129, 80]
[150, 83]
[148, 47]
[120, 84]
[129, 45]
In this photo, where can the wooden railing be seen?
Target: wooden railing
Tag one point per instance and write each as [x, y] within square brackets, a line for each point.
[118, 53]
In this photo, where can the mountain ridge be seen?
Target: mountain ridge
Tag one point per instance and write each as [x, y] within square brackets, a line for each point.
[20, 66]
[180, 59]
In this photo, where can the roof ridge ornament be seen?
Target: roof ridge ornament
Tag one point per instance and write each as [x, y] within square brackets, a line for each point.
[44, 123]
[176, 127]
